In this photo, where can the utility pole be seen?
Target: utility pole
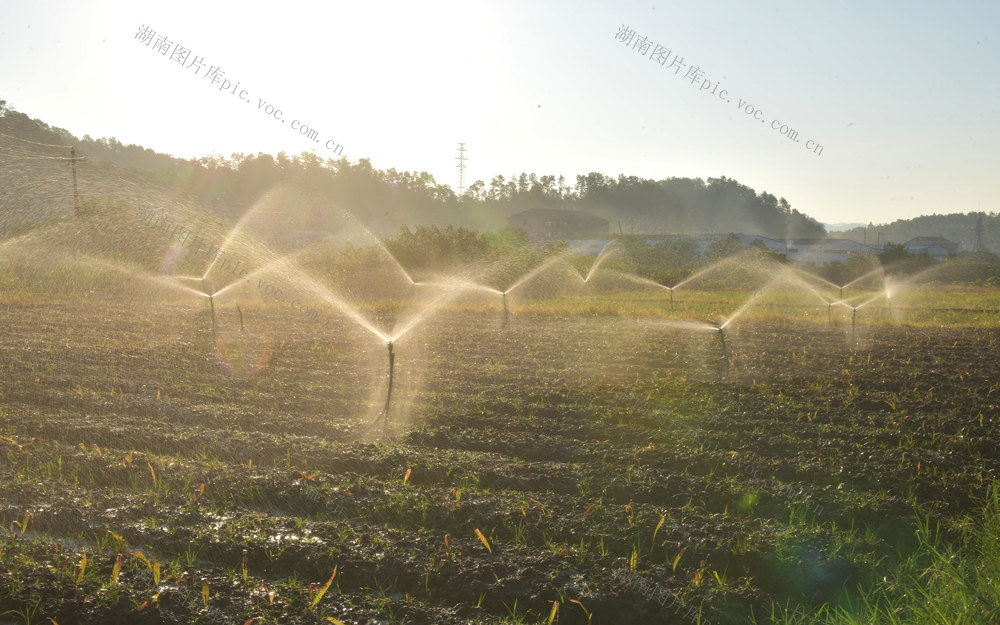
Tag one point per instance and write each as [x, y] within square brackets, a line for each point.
[461, 168]
[76, 197]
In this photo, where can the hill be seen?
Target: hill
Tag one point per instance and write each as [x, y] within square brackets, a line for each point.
[36, 178]
[958, 227]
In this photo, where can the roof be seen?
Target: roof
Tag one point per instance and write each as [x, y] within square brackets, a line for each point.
[928, 241]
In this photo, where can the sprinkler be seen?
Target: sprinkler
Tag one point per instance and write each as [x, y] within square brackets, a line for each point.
[888, 299]
[854, 319]
[388, 394]
[241, 318]
[725, 348]
[841, 293]
[829, 313]
[506, 319]
[671, 299]
[211, 303]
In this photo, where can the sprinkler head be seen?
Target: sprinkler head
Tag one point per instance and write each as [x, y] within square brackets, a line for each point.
[725, 348]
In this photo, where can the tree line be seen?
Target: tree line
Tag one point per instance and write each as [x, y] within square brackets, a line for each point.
[385, 198]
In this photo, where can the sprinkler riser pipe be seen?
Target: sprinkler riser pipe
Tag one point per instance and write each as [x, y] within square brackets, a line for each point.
[725, 350]
[505, 311]
[388, 394]
[671, 301]
[211, 304]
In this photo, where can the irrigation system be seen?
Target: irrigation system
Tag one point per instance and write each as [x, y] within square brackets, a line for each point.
[293, 276]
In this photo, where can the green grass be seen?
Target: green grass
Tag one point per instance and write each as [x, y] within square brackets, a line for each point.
[952, 577]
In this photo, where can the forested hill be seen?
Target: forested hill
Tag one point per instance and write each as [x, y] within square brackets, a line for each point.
[384, 199]
[957, 227]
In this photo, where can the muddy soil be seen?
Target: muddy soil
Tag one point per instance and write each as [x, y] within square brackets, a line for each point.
[620, 469]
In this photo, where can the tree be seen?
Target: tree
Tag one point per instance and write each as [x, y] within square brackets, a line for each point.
[725, 247]
[896, 259]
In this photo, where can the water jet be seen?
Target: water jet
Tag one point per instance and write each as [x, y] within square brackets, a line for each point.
[601, 257]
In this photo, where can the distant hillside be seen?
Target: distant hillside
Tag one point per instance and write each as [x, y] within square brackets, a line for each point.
[673, 205]
[957, 227]
[840, 227]
[36, 188]
[36, 182]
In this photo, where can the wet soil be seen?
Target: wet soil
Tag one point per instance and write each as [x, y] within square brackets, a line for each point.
[594, 462]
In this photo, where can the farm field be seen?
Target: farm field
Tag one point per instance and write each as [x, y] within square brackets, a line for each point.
[617, 325]
[610, 462]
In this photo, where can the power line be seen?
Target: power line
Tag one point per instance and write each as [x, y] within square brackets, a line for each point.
[28, 155]
[48, 145]
[20, 152]
[72, 158]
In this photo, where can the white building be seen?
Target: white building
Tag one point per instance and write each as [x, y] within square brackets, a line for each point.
[821, 252]
[817, 252]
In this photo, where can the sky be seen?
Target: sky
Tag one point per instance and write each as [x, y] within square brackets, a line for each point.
[902, 97]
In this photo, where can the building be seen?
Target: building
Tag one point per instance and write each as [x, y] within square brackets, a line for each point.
[821, 252]
[816, 252]
[556, 224]
[937, 248]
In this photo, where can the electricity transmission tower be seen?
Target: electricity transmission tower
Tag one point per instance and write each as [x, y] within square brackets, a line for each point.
[461, 167]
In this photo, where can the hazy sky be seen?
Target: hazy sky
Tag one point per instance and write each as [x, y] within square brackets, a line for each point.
[904, 97]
